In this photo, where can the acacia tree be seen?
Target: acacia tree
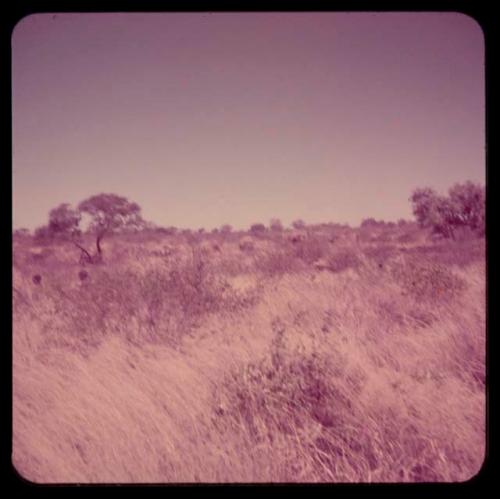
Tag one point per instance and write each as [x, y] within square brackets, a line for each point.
[110, 213]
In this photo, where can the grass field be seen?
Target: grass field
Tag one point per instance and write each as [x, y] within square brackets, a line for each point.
[326, 354]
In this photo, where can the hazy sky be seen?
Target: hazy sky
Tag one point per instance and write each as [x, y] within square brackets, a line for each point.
[206, 119]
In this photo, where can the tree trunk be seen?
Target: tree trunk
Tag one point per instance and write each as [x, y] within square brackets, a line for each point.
[98, 244]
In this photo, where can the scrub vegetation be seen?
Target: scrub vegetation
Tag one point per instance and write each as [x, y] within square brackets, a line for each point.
[316, 353]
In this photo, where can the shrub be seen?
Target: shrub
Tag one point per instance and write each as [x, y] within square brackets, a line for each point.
[302, 401]
[42, 235]
[427, 281]
[21, 234]
[276, 263]
[177, 301]
[464, 207]
[343, 260]
[460, 253]
[284, 392]
[428, 209]
[297, 238]
[380, 254]
[246, 245]
[299, 224]
[408, 237]
[258, 229]
[310, 249]
[468, 200]
[276, 225]
[370, 223]
[160, 305]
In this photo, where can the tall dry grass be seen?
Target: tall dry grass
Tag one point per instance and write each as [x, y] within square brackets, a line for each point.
[261, 360]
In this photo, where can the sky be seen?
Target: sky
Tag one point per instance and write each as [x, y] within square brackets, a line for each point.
[207, 119]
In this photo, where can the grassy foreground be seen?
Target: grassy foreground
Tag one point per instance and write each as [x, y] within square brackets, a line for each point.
[323, 355]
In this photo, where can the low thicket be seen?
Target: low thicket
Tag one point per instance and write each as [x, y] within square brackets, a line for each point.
[161, 304]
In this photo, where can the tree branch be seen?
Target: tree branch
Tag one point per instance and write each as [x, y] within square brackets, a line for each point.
[81, 248]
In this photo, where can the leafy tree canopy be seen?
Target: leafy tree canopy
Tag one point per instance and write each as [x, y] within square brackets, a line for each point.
[110, 212]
